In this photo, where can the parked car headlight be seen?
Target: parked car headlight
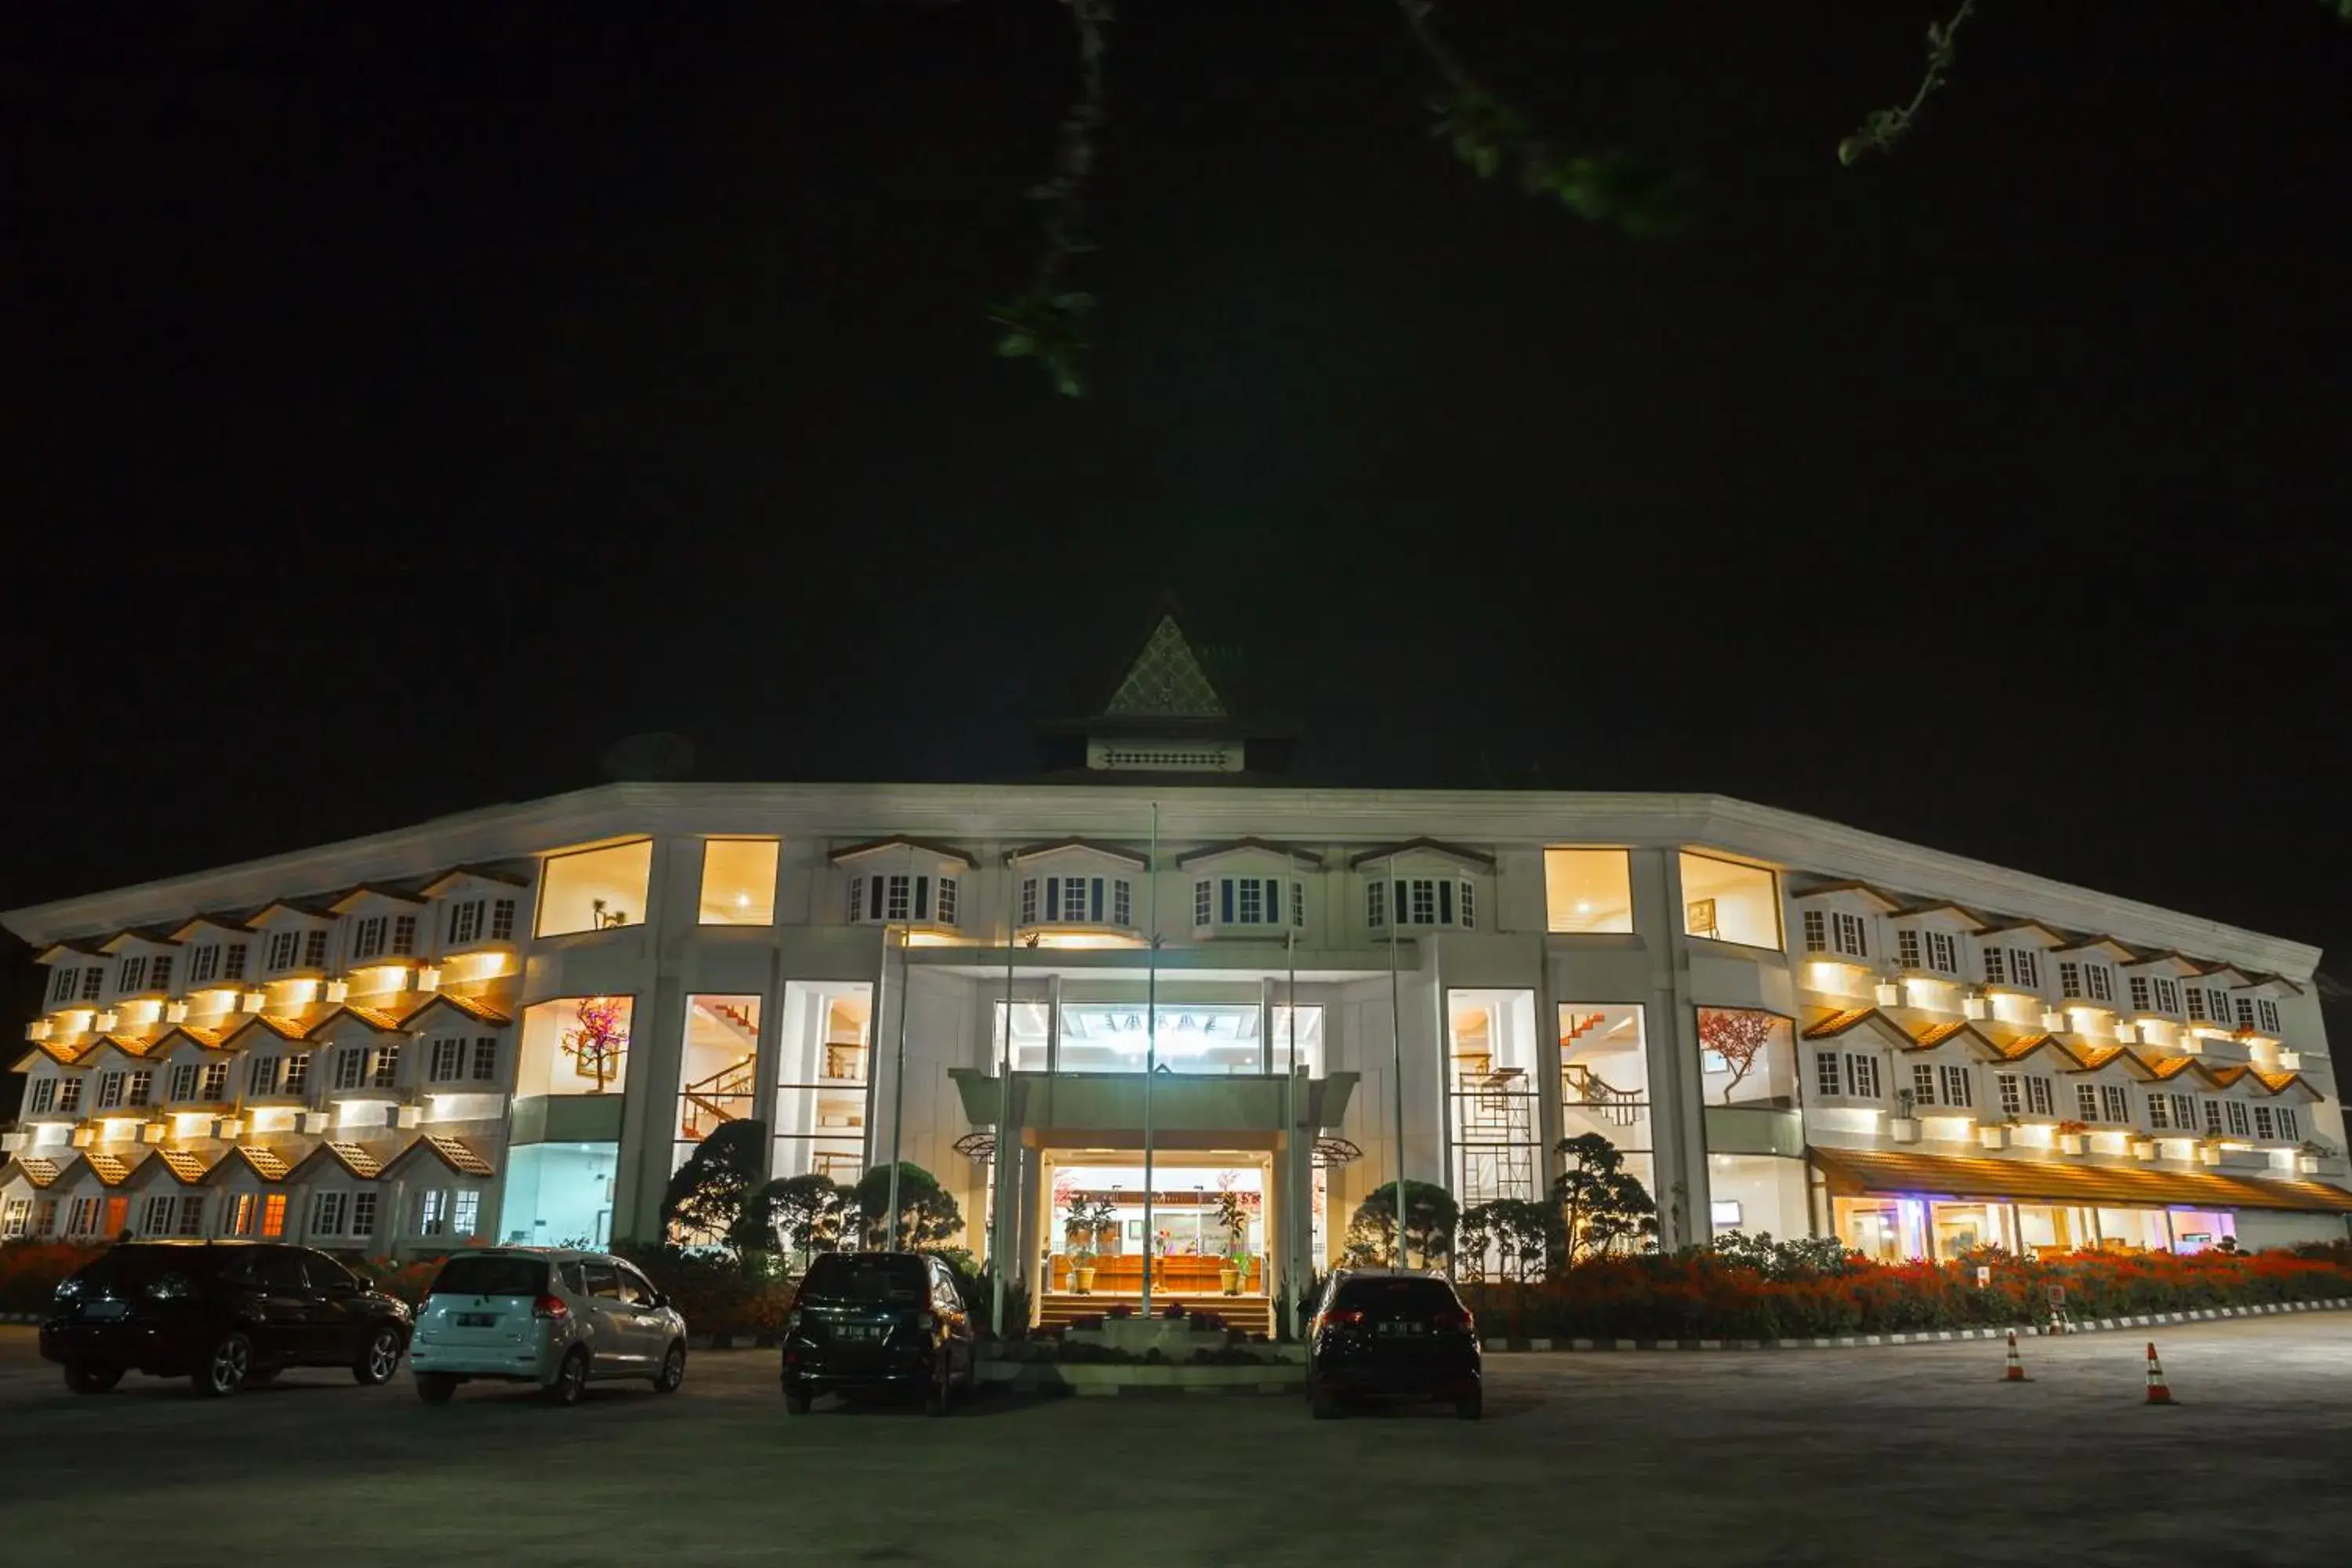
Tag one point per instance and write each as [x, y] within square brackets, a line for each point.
[68, 1289]
[167, 1287]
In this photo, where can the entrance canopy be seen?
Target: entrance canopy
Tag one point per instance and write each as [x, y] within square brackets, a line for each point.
[1106, 1109]
[1854, 1172]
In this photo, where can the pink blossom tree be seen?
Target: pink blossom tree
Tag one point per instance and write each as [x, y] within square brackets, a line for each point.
[1738, 1035]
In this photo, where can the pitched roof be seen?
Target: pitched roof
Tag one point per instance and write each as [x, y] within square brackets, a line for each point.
[78, 947]
[2008, 925]
[1433, 846]
[112, 1169]
[357, 1158]
[2025, 1046]
[1934, 1034]
[1164, 679]
[375, 1018]
[137, 1047]
[506, 876]
[1114, 851]
[70, 1052]
[457, 1154]
[1306, 857]
[309, 908]
[2090, 1058]
[473, 1007]
[341, 902]
[2165, 1067]
[900, 841]
[219, 919]
[1851, 1170]
[41, 1171]
[1966, 913]
[285, 1028]
[211, 1040]
[1836, 1023]
[186, 1165]
[1850, 885]
[266, 1162]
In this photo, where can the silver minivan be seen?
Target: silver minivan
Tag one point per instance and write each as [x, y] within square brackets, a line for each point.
[547, 1316]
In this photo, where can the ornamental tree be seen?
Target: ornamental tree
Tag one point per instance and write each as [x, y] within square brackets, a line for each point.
[1599, 1205]
[597, 1039]
[1738, 1035]
[1431, 1219]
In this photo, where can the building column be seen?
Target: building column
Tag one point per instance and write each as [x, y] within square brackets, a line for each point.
[1678, 1111]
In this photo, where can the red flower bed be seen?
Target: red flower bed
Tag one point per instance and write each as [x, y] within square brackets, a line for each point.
[1703, 1295]
[30, 1272]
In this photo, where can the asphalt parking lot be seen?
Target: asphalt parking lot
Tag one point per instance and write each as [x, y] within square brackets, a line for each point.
[1894, 1454]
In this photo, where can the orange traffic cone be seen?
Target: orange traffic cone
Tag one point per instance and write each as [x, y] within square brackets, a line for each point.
[2158, 1391]
[2016, 1372]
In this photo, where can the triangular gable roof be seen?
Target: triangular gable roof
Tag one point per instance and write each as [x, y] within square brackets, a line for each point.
[2098, 1058]
[1431, 845]
[1100, 847]
[1936, 1035]
[342, 903]
[152, 936]
[64, 1053]
[473, 1007]
[2165, 1068]
[1850, 885]
[79, 947]
[504, 876]
[37, 1169]
[267, 1163]
[308, 909]
[2006, 927]
[186, 1166]
[1967, 916]
[2105, 944]
[2229, 973]
[375, 1018]
[2181, 966]
[1831, 1026]
[2025, 1046]
[131, 1046]
[454, 1153]
[1164, 679]
[233, 925]
[209, 1039]
[356, 1159]
[112, 1170]
[900, 841]
[2255, 981]
[1306, 857]
[285, 1028]
[2281, 1082]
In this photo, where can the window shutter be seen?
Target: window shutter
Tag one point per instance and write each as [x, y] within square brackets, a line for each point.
[1226, 901]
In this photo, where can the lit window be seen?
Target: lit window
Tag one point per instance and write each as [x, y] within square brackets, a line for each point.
[739, 881]
[273, 1216]
[1588, 891]
[1726, 901]
[595, 890]
[468, 1212]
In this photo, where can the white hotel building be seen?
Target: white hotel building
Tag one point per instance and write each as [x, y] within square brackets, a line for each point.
[514, 1024]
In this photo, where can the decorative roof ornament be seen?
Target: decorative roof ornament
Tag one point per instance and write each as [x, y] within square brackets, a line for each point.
[1166, 680]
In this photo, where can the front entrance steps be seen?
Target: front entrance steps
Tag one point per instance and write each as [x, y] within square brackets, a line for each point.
[1253, 1314]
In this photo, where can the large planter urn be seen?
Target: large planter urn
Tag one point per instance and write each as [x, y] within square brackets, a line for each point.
[1229, 1280]
[1083, 1278]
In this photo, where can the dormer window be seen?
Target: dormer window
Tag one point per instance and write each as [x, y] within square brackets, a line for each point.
[905, 882]
[1076, 882]
[132, 975]
[204, 964]
[2258, 1014]
[285, 946]
[1257, 902]
[2016, 966]
[1421, 901]
[2078, 981]
[1841, 931]
[1937, 952]
[2156, 993]
[472, 921]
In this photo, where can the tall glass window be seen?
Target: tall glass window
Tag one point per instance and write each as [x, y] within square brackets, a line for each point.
[1726, 901]
[1604, 1080]
[1492, 1049]
[824, 1049]
[719, 1067]
[1746, 1056]
[595, 890]
[1588, 891]
[738, 882]
[574, 1045]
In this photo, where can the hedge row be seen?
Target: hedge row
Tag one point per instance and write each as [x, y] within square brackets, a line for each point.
[1705, 1295]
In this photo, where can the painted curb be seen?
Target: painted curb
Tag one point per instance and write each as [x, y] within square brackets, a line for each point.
[1922, 1337]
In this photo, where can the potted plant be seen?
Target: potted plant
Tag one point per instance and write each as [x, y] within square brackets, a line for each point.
[2075, 1137]
[1905, 1127]
[1080, 1224]
[1232, 1218]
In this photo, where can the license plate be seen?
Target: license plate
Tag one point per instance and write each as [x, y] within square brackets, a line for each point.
[103, 1310]
[861, 1330]
[477, 1319]
[1395, 1330]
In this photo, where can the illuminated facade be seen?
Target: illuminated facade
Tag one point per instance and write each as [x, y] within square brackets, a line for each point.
[515, 1023]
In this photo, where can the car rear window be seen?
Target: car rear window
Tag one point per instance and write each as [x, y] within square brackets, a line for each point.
[867, 1277]
[1402, 1298]
[491, 1275]
[136, 1264]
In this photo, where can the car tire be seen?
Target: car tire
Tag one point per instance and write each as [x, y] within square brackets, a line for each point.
[434, 1387]
[84, 1378]
[673, 1369]
[378, 1358]
[571, 1379]
[1321, 1405]
[941, 1399]
[796, 1400]
[1472, 1408]
[226, 1366]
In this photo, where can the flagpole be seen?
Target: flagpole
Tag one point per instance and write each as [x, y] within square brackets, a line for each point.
[1396, 1046]
[999, 1208]
[898, 1083]
[1151, 1044]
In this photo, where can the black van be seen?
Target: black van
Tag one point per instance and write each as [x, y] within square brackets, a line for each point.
[877, 1322]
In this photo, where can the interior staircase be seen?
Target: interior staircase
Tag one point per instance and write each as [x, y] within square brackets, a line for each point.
[1254, 1313]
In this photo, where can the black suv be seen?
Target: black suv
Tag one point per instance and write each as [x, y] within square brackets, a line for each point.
[1383, 1335]
[872, 1323]
[229, 1315]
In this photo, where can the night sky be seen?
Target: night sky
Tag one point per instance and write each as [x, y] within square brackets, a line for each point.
[402, 409]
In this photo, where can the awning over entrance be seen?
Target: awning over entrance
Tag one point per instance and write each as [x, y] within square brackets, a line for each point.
[1108, 1108]
[1853, 1172]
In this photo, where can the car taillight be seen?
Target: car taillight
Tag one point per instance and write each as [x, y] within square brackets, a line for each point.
[550, 1307]
[1342, 1317]
[1445, 1322]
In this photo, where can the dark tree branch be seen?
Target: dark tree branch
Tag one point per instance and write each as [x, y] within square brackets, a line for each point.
[1048, 322]
[1885, 127]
